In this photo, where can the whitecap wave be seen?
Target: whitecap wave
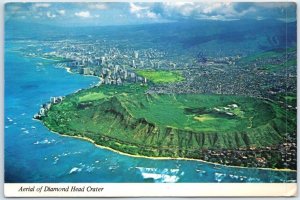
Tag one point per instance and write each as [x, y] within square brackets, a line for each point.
[163, 178]
[56, 159]
[236, 177]
[201, 172]
[75, 170]
[243, 178]
[90, 168]
[255, 180]
[161, 175]
[113, 167]
[9, 119]
[219, 176]
[46, 141]
[64, 154]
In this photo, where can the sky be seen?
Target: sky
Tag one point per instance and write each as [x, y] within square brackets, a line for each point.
[126, 13]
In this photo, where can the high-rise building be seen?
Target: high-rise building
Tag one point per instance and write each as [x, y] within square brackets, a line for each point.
[42, 112]
[52, 99]
[125, 74]
[136, 54]
[158, 64]
[117, 68]
[119, 81]
[85, 71]
[102, 60]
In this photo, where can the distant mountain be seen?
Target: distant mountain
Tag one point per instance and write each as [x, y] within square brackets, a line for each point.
[212, 37]
[19, 30]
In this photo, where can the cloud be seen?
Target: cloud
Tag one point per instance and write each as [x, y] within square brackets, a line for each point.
[136, 9]
[199, 10]
[140, 12]
[95, 6]
[216, 10]
[99, 6]
[84, 14]
[143, 11]
[61, 12]
[152, 15]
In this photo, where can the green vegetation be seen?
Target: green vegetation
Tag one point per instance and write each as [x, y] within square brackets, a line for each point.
[289, 98]
[92, 96]
[272, 60]
[269, 54]
[161, 76]
[127, 119]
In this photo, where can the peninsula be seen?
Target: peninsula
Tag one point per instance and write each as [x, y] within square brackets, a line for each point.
[225, 129]
[231, 110]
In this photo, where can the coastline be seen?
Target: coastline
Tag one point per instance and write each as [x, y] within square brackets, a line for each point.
[165, 158]
[68, 69]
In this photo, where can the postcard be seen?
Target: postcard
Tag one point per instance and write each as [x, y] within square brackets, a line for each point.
[150, 99]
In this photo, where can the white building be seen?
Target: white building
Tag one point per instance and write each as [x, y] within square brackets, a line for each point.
[136, 54]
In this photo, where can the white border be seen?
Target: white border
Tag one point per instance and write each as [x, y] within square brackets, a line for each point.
[156, 190]
[143, 189]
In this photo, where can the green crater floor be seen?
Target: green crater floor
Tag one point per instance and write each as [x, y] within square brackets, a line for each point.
[127, 114]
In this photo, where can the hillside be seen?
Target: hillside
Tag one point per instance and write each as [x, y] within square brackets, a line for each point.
[186, 37]
[127, 119]
[273, 60]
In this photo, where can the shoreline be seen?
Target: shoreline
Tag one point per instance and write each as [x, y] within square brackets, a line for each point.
[164, 158]
[68, 69]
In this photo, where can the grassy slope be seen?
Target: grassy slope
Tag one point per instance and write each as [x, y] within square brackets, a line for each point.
[267, 59]
[126, 119]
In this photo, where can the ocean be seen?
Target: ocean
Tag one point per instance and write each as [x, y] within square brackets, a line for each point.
[33, 154]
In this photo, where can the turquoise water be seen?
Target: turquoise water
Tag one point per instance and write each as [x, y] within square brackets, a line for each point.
[34, 154]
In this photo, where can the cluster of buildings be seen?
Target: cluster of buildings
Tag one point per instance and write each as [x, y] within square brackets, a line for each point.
[226, 60]
[278, 156]
[233, 80]
[46, 106]
[112, 74]
[111, 63]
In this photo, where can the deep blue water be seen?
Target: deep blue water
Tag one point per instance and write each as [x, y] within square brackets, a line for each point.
[34, 154]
